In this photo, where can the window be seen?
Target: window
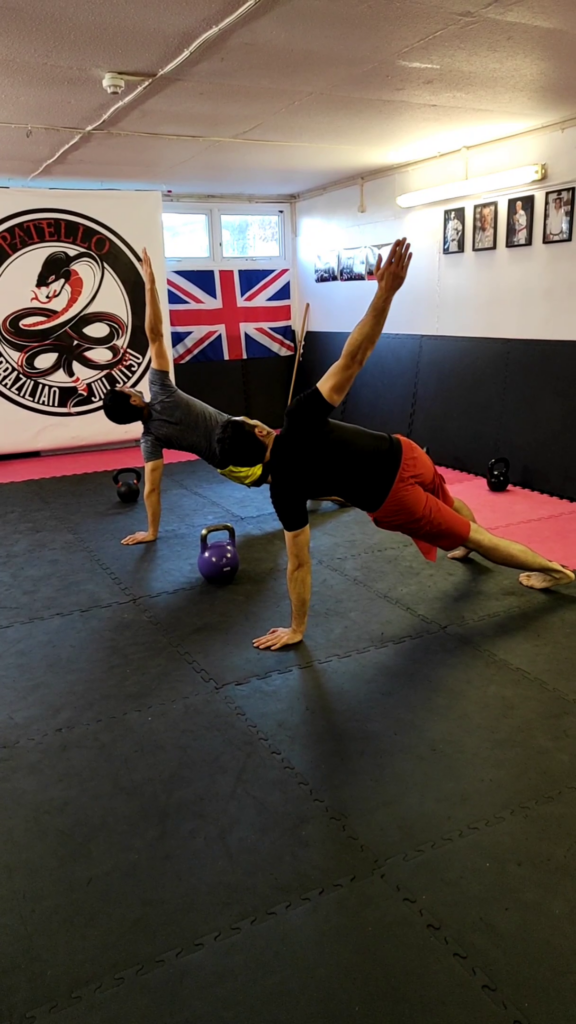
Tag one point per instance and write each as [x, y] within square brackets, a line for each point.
[186, 235]
[251, 236]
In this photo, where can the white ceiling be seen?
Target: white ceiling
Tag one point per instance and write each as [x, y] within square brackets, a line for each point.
[295, 94]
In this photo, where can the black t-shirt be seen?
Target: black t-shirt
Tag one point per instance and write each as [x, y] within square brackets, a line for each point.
[315, 456]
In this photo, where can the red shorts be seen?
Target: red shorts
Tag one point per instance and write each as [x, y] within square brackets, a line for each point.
[421, 506]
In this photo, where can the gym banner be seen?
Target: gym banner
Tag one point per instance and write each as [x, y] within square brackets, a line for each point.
[72, 311]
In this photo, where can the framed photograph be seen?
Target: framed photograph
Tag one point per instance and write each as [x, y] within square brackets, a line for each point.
[326, 268]
[485, 226]
[519, 221]
[352, 264]
[372, 253]
[454, 224]
[558, 216]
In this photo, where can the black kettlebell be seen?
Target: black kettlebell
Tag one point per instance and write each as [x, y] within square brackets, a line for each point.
[499, 474]
[127, 490]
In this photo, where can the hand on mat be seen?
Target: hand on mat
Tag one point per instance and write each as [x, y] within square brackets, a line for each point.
[392, 274]
[143, 537]
[277, 638]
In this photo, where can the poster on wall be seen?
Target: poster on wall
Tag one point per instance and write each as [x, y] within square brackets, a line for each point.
[71, 312]
[372, 254]
[520, 221]
[353, 264]
[326, 267]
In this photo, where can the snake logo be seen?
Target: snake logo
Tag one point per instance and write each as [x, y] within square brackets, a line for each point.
[71, 312]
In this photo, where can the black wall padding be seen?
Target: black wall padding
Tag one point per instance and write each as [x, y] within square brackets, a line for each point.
[219, 384]
[321, 349]
[539, 416]
[469, 399]
[459, 401]
[381, 397]
[267, 388]
[241, 387]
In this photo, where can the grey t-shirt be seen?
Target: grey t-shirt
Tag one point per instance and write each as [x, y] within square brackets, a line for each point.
[178, 421]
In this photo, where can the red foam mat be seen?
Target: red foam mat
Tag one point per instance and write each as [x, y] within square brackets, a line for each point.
[545, 524]
[17, 470]
[555, 537]
[515, 505]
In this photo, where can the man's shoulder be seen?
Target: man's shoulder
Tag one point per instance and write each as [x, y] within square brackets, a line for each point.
[310, 404]
[162, 376]
[160, 384]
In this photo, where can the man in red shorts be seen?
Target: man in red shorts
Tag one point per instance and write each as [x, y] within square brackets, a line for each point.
[386, 475]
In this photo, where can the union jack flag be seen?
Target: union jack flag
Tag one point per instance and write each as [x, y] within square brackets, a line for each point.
[230, 314]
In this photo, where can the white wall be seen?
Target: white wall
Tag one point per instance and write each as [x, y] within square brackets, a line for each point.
[506, 293]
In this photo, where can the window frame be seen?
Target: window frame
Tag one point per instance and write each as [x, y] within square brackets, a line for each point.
[176, 208]
[253, 213]
[214, 212]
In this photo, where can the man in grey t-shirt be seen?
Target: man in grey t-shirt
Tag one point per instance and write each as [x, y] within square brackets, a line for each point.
[171, 419]
[177, 421]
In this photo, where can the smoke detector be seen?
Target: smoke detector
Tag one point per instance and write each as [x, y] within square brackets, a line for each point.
[113, 83]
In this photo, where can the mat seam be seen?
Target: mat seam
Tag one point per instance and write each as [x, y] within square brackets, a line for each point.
[412, 413]
[204, 675]
[549, 687]
[386, 597]
[64, 615]
[381, 871]
[214, 686]
[487, 987]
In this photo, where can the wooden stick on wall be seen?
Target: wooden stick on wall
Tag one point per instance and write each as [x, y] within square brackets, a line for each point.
[299, 347]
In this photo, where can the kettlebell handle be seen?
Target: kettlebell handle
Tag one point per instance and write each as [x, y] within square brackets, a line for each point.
[496, 462]
[119, 473]
[212, 529]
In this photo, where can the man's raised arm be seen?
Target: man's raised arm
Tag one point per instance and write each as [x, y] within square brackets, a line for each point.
[153, 323]
[390, 276]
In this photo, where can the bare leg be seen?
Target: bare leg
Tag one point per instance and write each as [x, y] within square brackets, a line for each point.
[541, 574]
[460, 554]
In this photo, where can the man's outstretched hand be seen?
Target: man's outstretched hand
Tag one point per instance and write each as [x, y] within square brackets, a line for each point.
[277, 638]
[391, 274]
[147, 269]
[143, 537]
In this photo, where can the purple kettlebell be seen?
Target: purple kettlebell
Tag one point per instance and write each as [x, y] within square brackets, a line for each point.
[218, 562]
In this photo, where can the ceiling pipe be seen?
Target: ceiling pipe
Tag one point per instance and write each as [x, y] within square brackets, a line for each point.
[207, 37]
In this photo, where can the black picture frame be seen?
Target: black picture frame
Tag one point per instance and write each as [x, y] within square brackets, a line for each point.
[550, 236]
[485, 226]
[454, 236]
[519, 230]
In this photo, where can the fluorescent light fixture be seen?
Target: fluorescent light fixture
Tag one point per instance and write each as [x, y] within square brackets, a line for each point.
[474, 186]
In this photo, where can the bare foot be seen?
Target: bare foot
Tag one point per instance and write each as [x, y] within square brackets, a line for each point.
[335, 501]
[460, 554]
[558, 577]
